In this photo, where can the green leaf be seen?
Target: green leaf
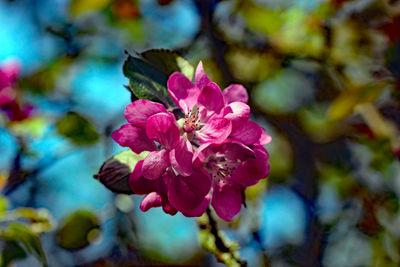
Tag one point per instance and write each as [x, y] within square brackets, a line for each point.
[148, 73]
[146, 81]
[168, 62]
[19, 233]
[77, 129]
[77, 230]
[11, 251]
[114, 173]
[81, 6]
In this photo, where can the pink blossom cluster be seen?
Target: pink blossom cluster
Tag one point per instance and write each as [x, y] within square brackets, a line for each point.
[209, 156]
[9, 103]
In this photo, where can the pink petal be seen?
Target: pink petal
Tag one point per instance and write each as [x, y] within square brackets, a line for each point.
[249, 134]
[139, 184]
[264, 139]
[200, 209]
[181, 157]
[183, 91]
[185, 193]
[7, 95]
[139, 111]
[234, 151]
[151, 200]
[167, 208]
[254, 169]
[238, 113]
[211, 100]
[155, 164]
[201, 78]
[133, 137]
[226, 200]
[11, 70]
[235, 93]
[215, 131]
[162, 128]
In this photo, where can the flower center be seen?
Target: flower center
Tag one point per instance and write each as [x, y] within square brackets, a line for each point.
[220, 167]
[192, 120]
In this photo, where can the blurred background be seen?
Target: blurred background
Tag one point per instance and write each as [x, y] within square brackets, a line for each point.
[323, 78]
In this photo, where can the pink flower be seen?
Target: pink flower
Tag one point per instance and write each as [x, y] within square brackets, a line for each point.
[166, 166]
[233, 167]
[9, 103]
[230, 158]
[8, 75]
[203, 106]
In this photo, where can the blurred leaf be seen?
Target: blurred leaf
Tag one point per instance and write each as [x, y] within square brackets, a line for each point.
[259, 65]
[31, 242]
[81, 6]
[40, 219]
[315, 122]
[168, 62]
[348, 100]
[146, 81]
[44, 80]
[114, 173]
[3, 206]
[11, 251]
[77, 129]
[260, 19]
[33, 126]
[76, 230]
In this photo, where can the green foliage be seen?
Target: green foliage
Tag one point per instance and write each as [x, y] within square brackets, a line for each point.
[11, 251]
[77, 129]
[78, 7]
[17, 232]
[114, 173]
[78, 230]
[148, 73]
[168, 62]
[215, 241]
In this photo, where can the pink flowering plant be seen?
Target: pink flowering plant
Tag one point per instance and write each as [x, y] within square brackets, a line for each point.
[199, 146]
[9, 102]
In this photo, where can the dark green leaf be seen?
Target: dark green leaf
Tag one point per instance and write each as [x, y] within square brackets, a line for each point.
[75, 232]
[146, 81]
[114, 173]
[18, 232]
[148, 73]
[77, 129]
[12, 251]
[168, 62]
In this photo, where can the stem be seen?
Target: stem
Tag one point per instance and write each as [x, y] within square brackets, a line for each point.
[220, 243]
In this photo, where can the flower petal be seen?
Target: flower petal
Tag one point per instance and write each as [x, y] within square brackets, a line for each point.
[235, 93]
[264, 139]
[167, 208]
[201, 77]
[226, 200]
[162, 127]
[140, 110]
[133, 137]
[200, 209]
[155, 164]
[254, 169]
[139, 184]
[151, 200]
[185, 193]
[238, 113]
[215, 131]
[249, 134]
[183, 91]
[210, 100]
[181, 157]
